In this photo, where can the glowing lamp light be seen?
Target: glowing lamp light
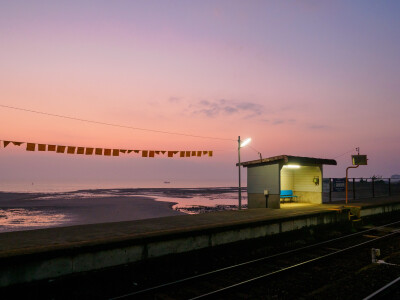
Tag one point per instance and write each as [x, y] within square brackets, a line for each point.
[292, 166]
[245, 142]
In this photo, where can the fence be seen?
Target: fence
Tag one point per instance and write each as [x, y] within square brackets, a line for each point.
[334, 188]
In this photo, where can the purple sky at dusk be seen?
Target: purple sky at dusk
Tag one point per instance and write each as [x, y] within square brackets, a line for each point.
[307, 78]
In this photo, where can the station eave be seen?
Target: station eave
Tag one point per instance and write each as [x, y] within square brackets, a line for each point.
[289, 159]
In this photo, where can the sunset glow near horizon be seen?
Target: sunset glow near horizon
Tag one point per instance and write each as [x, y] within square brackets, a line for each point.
[308, 78]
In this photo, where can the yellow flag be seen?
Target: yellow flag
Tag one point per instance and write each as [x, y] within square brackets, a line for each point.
[193, 153]
[17, 143]
[60, 149]
[151, 153]
[136, 151]
[71, 150]
[129, 151]
[163, 152]
[210, 153]
[170, 154]
[187, 153]
[107, 152]
[6, 143]
[144, 153]
[41, 147]
[123, 151]
[198, 153]
[182, 153]
[30, 147]
[157, 152]
[116, 152]
[81, 150]
[99, 151]
[205, 152]
[51, 147]
[89, 151]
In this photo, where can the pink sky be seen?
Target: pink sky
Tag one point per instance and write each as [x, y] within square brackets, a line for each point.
[314, 79]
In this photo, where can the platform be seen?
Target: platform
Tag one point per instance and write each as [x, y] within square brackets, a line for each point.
[47, 253]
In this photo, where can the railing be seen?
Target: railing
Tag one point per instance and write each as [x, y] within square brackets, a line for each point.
[358, 188]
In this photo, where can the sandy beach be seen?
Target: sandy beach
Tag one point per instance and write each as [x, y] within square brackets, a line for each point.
[19, 211]
[26, 211]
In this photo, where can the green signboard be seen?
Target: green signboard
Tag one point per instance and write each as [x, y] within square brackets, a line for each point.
[359, 160]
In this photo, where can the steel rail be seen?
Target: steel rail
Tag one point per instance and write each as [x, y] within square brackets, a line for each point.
[292, 267]
[248, 262]
[381, 289]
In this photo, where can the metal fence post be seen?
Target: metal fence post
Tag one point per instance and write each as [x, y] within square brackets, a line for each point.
[354, 189]
[390, 190]
[373, 187]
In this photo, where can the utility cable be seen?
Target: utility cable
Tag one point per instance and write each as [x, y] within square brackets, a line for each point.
[113, 125]
[344, 153]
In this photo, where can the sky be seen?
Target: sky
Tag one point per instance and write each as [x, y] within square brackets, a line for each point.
[305, 78]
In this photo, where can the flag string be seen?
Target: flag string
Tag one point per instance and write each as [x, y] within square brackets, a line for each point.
[106, 151]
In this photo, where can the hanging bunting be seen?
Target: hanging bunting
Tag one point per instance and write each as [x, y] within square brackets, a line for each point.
[61, 149]
[30, 147]
[89, 151]
[81, 150]
[71, 150]
[103, 151]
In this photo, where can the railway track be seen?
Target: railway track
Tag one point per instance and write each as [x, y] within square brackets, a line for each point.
[304, 270]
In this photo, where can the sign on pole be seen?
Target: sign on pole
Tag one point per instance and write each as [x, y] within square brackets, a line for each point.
[339, 184]
[359, 160]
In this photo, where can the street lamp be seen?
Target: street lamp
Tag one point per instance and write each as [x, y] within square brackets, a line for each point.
[240, 145]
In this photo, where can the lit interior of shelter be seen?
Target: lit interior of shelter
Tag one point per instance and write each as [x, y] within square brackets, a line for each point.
[274, 181]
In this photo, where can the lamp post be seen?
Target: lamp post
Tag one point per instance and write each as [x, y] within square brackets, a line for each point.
[240, 145]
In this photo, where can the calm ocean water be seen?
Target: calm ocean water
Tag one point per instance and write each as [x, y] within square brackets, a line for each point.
[65, 186]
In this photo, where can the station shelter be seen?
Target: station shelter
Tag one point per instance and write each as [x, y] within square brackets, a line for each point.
[280, 179]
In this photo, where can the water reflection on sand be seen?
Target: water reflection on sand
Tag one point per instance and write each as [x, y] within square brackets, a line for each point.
[187, 200]
[12, 219]
[43, 210]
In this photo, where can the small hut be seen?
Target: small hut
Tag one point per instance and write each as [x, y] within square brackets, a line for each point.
[284, 178]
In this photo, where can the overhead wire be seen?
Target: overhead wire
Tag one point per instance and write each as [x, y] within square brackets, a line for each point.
[344, 153]
[112, 124]
[131, 127]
